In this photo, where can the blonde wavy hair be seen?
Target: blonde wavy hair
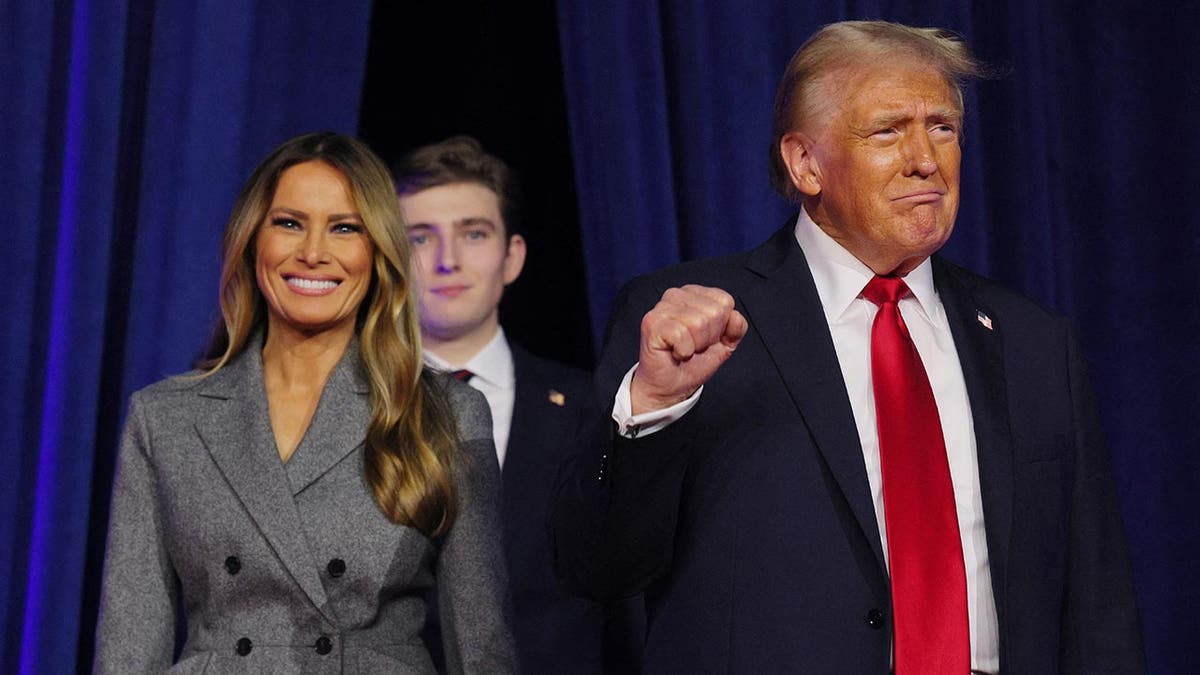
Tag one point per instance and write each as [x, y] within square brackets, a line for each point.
[412, 441]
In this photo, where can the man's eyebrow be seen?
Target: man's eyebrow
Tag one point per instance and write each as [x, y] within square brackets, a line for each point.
[889, 118]
[950, 114]
[935, 114]
[475, 221]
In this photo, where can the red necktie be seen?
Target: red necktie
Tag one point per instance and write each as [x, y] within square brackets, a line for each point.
[929, 585]
[463, 375]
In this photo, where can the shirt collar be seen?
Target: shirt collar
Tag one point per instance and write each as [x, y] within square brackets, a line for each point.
[493, 364]
[840, 277]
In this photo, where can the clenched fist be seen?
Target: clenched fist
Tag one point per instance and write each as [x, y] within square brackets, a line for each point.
[685, 339]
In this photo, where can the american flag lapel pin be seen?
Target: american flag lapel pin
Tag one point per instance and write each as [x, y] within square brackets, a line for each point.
[557, 398]
[983, 319]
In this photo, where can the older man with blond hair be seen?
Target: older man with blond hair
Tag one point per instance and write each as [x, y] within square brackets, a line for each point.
[838, 452]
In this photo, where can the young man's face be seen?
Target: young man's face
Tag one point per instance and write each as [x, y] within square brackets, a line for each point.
[462, 260]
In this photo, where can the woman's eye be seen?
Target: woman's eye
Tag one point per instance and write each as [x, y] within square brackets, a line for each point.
[347, 228]
[418, 239]
[287, 223]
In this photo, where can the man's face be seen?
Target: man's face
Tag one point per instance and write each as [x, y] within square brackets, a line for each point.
[462, 260]
[880, 171]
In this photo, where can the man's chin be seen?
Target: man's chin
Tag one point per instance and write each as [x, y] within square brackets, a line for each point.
[448, 330]
[929, 232]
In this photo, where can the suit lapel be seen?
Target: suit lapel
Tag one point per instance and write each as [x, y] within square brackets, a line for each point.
[978, 338]
[338, 425]
[525, 418]
[786, 311]
[235, 427]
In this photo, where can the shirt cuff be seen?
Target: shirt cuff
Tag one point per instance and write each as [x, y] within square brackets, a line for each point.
[632, 426]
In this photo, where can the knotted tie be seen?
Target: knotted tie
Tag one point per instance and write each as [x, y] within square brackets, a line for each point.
[929, 587]
[463, 375]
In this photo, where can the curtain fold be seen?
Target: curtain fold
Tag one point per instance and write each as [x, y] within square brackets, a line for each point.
[617, 112]
[125, 130]
[1077, 189]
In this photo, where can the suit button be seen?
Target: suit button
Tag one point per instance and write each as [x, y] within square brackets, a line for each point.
[336, 567]
[244, 646]
[875, 619]
[324, 645]
[233, 565]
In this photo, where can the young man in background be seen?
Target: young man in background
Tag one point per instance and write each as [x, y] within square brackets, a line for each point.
[460, 205]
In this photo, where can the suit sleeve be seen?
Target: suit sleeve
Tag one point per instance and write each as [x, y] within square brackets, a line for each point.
[1100, 621]
[135, 632]
[617, 500]
[472, 579]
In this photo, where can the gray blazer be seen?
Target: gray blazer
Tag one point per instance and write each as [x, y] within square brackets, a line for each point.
[290, 567]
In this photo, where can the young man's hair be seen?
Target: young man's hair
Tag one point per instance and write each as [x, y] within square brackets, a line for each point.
[460, 159]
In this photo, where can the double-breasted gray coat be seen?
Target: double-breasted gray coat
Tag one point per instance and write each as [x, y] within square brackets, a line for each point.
[290, 567]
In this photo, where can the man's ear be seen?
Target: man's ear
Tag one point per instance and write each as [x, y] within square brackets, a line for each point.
[514, 258]
[796, 149]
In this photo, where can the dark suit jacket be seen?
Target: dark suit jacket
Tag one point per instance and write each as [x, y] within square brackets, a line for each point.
[750, 524]
[290, 567]
[556, 632]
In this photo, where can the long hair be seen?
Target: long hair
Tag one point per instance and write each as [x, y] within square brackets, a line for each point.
[412, 441]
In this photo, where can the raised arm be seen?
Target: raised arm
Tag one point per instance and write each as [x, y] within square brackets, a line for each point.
[617, 500]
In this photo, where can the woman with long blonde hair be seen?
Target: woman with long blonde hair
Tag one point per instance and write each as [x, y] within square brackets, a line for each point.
[302, 496]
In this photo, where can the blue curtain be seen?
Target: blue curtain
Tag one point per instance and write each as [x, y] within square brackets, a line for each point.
[126, 129]
[1079, 185]
[127, 126]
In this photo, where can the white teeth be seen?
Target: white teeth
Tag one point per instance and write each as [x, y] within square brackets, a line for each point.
[312, 284]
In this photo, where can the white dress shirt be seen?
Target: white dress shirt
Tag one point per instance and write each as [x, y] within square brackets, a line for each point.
[840, 278]
[495, 376]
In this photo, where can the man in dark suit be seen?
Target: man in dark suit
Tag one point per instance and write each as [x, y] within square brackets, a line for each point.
[460, 205]
[835, 453]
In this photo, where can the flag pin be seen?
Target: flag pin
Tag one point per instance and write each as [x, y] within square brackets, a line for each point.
[983, 319]
[557, 398]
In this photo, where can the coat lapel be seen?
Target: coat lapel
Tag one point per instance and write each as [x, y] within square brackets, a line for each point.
[530, 420]
[978, 337]
[786, 311]
[339, 423]
[235, 427]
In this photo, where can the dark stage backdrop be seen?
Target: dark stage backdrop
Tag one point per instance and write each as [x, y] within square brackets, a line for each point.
[1079, 185]
[493, 71]
[126, 127]
[125, 130]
